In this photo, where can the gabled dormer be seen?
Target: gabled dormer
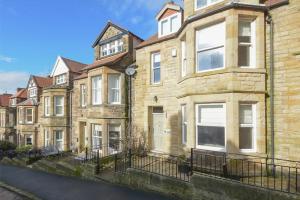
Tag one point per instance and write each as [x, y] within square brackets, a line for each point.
[35, 85]
[64, 70]
[169, 19]
[114, 40]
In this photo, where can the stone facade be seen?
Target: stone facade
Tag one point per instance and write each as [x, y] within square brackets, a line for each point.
[106, 113]
[286, 21]
[232, 85]
[7, 126]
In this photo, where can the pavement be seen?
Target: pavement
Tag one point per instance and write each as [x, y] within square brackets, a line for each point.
[54, 187]
[8, 195]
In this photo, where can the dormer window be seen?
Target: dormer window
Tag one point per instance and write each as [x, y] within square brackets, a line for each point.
[113, 47]
[32, 92]
[204, 3]
[169, 24]
[60, 79]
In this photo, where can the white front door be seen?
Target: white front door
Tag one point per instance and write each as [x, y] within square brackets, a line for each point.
[158, 130]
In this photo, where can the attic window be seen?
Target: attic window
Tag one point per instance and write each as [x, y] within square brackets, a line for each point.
[60, 79]
[169, 24]
[113, 47]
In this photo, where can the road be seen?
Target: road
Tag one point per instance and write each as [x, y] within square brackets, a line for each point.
[54, 187]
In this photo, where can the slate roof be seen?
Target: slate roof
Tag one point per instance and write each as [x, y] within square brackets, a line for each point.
[106, 61]
[4, 100]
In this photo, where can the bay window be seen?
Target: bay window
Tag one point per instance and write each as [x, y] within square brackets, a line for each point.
[114, 136]
[155, 65]
[183, 124]
[247, 127]
[97, 136]
[47, 106]
[29, 115]
[246, 49]
[59, 105]
[21, 115]
[114, 89]
[96, 90]
[210, 123]
[211, 47]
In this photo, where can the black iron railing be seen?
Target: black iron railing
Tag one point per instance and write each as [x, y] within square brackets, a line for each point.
[275, 174]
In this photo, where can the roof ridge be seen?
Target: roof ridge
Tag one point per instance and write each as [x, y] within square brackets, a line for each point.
[72, 60]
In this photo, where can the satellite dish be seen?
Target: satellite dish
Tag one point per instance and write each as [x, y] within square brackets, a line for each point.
[130, 70]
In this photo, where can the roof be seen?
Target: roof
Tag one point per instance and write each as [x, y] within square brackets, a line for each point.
[155, 39]
[22, 93]
[42, 81]
[109, 23]
[169, 5]
[81, 76]
[73, 65]
[28, 102]
[4, 100]
[106, 61]
[275, 3]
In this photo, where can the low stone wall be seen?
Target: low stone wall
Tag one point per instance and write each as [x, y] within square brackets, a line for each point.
[201, 187]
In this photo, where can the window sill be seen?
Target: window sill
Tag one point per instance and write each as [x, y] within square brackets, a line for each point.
[156, 84]
[201, 147]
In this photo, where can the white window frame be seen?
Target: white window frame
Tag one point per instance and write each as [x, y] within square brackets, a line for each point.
[2, 119]
[118, 89]
[211, 48]
[97, 91]
[47, 106]
[59, 140]
[60, 79]
[169, 25]
[56, 105]
[210, 3]
[46, 138]
[112, 48]
[252, 44]
[184, 123]
[32, 92]
[183, 58]
[253, 126]
[28, 136]
[152, 68]
[21, 115]
[204, 147]
[83, 95]
[111, 150]
[26, 116]
[97, 137]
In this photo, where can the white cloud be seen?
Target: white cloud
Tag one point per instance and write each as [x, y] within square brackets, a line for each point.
[6, 59]
[10, 80]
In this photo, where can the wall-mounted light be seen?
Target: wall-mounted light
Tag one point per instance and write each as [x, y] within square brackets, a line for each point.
[155, 99]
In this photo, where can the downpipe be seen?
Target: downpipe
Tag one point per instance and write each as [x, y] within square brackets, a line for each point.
[269, 20]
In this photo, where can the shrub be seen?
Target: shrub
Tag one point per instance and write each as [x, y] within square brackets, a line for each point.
[6, 146]
[24, 149]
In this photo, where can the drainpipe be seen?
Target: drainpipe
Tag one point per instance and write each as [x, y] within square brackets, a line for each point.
[271, 23]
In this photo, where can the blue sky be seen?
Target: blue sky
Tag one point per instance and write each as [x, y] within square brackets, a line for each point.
[34, 32]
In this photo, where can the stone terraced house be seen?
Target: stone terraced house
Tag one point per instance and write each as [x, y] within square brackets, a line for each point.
[213, 75]
[7, 120]
[99, 107]
[55, 107]
[28, 111]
